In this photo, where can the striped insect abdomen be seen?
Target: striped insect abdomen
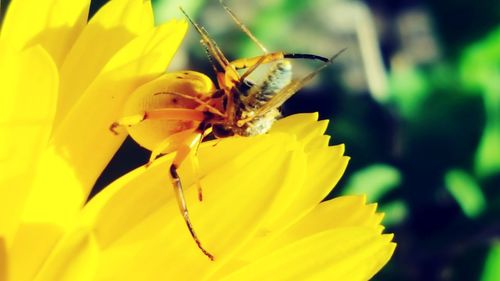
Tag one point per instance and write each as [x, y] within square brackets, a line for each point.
[278, 77]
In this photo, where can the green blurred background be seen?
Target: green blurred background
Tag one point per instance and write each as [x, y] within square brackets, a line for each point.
[416, 100]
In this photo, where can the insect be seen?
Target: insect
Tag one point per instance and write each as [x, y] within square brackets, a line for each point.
[236, 107]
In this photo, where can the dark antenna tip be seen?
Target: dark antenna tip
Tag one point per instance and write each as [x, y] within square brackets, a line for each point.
[305, 56]
[313, 57]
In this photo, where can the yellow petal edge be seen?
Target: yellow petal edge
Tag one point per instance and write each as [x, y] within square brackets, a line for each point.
[133, 229]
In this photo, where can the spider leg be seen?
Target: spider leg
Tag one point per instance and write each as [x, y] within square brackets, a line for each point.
[185, 150]
[158, 114]
[201, 102]
[195, 164]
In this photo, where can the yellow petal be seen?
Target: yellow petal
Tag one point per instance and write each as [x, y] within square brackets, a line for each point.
[3, 259]
[228, 214]
[53, 24]
[75, 258]
[305, 125]
[159, 45]
[116, 24]
[342, 211]
[25, 130]
[296, 123]
[28, 250]
[325, 167]
[301, 125]
[345, 211]
[339, 254]
[137, 223]
[67, 169]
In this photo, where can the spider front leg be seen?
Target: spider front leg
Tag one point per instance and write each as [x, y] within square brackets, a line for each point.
[173, 141]
[185, 150]
[185, 143]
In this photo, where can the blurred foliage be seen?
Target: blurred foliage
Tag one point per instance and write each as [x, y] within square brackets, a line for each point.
[165, 10]
[492, 265]
[374, 181]
[461, 22]
[395, 212]
[427, 150]
[466, 192]
[480, 69]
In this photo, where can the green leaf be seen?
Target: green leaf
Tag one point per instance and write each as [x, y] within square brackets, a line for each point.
[479, 69]
[374, 181]
[395, 212]
[466, 192]
[409, 89]
[487, 158]
[491, 271]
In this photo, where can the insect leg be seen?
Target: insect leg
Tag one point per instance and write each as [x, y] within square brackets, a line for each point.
[226, 75]
[209, 44]
[195, 99]
[185, 150]
[159, 114]
[251, 64]
[252, 68]
[243, 27]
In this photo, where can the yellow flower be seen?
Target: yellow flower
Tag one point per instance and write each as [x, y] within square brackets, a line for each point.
[64, 81]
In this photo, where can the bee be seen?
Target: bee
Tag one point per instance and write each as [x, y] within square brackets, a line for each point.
[191, 108]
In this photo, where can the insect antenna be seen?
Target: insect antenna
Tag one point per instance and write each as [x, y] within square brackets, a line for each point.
[308, 56]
